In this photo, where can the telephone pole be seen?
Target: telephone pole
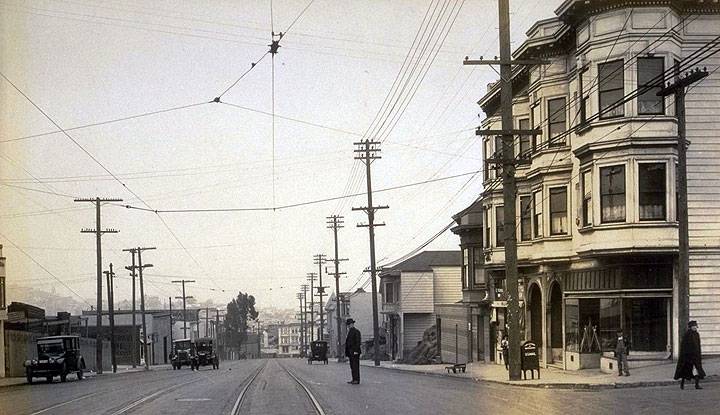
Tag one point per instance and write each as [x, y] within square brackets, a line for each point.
[311, 277]
[207, 320]
[110, 275]
[367, 152]
[171, 321]
[300, 296]
[678, 88]
[336, 222]
[134, 324]
[98, 250]
[140, 267]
[184, 298]
[320, 259]
[507, 159]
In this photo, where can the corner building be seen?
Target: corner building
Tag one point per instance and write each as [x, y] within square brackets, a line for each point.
[597, 224]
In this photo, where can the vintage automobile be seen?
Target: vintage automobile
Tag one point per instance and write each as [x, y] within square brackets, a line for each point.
[205, 353]
[318, 351]
[56, 356]
[183, 354]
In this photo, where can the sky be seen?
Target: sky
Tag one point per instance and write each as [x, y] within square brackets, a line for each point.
[131, 85]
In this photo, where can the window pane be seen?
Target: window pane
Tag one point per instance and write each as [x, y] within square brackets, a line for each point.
[612, 193]
[537, 213]
[556, 124]
[478, 276]
[587, 198]
[499, 226]
[646, 323]
[498, 155]
[611, 87]
[525, 144]
[465, 268]
[652, 191]
[558, 210]
[525, 218]
[650, 79]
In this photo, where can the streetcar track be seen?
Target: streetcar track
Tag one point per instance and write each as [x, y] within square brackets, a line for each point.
[142, 400]
[241, 397]
[313, 400]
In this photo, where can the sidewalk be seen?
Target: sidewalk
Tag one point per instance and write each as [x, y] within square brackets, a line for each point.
[121, 369]
[655, 375]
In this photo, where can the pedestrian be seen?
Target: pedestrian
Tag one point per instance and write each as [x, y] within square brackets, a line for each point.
[504, 346]
[689, 365]
[622, 349]
[352, 351]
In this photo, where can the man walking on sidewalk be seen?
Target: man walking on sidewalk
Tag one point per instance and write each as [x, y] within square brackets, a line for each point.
[622, 348]
[352, 351]
[689, 365]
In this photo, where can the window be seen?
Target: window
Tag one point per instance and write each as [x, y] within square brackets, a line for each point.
[478, 274]
[465, 266]
[556, 123]
[487, 227]
[487, 153]
[650, 79]
[389, 293]
[537, 214]
[612, 194]
[533, 117]
[611, 86]
[499, 226]
[498, 155]
[558, 211]
[525, 218]
[584, 81]
[651, 181]
[525, 143]
[587, 198]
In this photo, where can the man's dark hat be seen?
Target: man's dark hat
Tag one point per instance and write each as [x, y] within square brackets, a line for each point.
[349, 321]
[692, 323]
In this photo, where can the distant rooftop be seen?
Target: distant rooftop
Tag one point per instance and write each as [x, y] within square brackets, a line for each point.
[424, 261]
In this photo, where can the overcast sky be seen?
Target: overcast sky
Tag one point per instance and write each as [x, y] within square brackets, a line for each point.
[90, 61]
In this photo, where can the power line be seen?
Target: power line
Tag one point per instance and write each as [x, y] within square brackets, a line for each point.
[252, 209]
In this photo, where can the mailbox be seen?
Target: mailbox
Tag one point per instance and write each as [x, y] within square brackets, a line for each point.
[529, 359]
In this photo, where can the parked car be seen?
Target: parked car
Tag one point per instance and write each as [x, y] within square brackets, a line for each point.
[183, 352]
[205, 353]
[56, 356]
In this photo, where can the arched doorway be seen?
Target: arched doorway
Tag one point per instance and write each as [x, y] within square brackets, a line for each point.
[555, 327]
[535, 303]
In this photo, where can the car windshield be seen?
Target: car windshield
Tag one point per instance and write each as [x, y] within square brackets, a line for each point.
[50, 348]
[182, 345]
[204, 345]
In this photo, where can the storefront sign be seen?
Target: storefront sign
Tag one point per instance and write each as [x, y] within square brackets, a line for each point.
[529, 359]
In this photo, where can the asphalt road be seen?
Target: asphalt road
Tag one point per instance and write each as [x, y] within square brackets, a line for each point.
[268, 387]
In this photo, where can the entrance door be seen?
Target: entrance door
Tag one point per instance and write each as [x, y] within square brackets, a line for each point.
[555, 337]
[536, 315]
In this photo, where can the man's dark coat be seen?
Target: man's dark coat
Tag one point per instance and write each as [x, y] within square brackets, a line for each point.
[352, 342]
[690, 356]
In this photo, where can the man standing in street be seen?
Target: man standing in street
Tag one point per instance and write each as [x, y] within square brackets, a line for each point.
[689, 365]
[352, 351]
[622, 348]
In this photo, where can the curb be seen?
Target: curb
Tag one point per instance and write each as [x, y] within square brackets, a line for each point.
[92, 374]
[566, 386]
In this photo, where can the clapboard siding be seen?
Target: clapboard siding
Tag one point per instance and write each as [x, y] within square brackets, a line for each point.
[414, 326]
[450, 318]
[705, 298]
[416, 292]
[447, 285]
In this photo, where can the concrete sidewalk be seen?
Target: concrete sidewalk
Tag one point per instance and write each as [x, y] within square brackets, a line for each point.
[654, 375]
[121, 369]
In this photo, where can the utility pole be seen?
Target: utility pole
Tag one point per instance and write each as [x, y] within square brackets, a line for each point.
[336, 222]
[184, 297]
[320, 259]
[678, 88]
[207, 320]
[171, 321]
[140, 266]
[302, 323]
[508, 162]
[367, 152]
[110, 275]
[311, 277]
[134, 324]
[98, 250]
[306, 339]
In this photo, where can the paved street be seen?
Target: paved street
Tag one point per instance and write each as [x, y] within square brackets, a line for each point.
[272, 390]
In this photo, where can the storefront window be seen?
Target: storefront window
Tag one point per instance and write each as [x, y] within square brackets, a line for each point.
[646, 323]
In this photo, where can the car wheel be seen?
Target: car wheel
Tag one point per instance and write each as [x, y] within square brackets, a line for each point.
[28, 376]
[63, 373]
[49, 379]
